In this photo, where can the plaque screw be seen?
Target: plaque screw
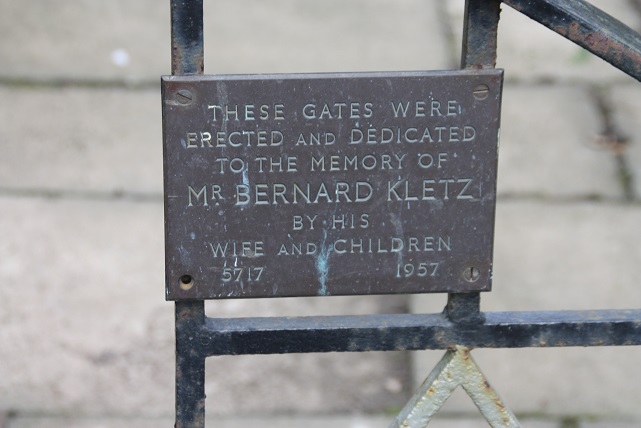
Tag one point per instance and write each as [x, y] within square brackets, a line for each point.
[481, 92]
[186, 282]
[471, 274]
[184, 97]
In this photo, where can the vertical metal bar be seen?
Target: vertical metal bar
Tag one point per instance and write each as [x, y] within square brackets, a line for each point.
[187, 53]
[190, 366]
[479, 33]
[464, 308]
[478, 52]
[187, 57]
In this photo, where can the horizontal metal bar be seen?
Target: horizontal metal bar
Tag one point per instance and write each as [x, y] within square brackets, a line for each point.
[590, 28]
[235, 336]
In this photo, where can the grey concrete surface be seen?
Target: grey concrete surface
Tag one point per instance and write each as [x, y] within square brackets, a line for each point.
[625, 105]
[355, 421]
[610, 424]
[268, 422]
[86, 338]
[479, 422]
[84, 40]
[90, 40]
[90, 332]
[552, 256]
[550, 145]
[80, 308]
[81, 140]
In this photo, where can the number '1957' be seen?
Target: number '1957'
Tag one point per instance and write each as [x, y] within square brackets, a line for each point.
[405, 270]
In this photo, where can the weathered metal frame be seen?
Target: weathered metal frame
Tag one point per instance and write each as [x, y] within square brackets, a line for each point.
[462, 324]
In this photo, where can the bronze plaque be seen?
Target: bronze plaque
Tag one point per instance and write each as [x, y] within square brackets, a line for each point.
[330, 184]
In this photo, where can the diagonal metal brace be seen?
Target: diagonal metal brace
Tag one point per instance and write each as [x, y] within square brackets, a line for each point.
[456, 368]
[588, 27]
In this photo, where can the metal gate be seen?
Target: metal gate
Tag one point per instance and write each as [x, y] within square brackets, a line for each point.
[462, 326]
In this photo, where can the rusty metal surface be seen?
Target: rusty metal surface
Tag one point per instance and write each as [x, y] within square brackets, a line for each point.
[187, 58]
[330, 184]
[480, 34]
[590, 28]
[456, 368]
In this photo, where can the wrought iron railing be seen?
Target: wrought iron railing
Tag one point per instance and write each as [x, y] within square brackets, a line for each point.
[462, 325]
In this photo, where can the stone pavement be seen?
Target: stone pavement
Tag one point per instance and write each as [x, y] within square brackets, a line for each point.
[86, 338]
[310, 421]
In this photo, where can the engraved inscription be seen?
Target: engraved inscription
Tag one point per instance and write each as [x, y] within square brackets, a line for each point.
[330, 184]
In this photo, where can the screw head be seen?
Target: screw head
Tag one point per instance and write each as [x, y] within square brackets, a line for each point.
[471, 274]
[184, 97]
[481, 92]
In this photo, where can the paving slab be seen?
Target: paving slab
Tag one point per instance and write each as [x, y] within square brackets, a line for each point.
[625, 104]
[565, 256]
[84, 39]
[303, 36]
[611, 424]
[122, 40]
[550, 145]
[530, 52]
[81, 140]
[311, 383]
[480, 422]
[83, 309]
[293, 421]
[558, 256]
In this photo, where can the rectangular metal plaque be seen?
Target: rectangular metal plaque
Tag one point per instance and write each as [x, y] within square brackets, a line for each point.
[330, 184]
